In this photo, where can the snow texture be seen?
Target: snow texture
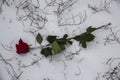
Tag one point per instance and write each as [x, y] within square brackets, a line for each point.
[58, 17]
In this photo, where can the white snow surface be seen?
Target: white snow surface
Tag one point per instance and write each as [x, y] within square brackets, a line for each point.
[83, 66]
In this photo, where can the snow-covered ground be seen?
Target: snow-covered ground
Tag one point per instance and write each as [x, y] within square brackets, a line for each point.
[59, 17]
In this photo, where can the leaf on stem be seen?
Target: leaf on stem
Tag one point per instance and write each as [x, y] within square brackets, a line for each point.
[90, 29]
[46, 51]
[84, 38]
[57, 48]
[84, 45]
[65, 36]
[39, 38]
[51, 39]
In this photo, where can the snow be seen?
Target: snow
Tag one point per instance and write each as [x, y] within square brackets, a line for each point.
[85, 65]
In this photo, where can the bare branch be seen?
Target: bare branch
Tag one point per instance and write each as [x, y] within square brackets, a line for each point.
[112, 37]
[13, 74]
[104, 6]
[32, 14]
[73, 21]
[113, 73]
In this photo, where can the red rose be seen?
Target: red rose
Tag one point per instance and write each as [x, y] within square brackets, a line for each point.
[22, 47]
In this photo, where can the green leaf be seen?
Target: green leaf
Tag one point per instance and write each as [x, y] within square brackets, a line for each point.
[65, 36]
[62, 46]
[89, 37]
[84, 45]
[90, 29]
[51, 39]
[61, 41]
[39, 38]
[46, 51]
[57, 48]
[77, 38]
[84, 37]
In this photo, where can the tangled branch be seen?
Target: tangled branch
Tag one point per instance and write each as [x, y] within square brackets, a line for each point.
[113, 72]
[112, 37]
[13, 74]
[72, 21]
[31, 13]
[4, 2]
[104, 6]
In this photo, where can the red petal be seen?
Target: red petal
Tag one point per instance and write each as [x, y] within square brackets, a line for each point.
[22, 47]
[21, 41]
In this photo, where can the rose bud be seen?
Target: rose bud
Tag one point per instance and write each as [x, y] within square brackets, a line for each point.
[22, 47]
